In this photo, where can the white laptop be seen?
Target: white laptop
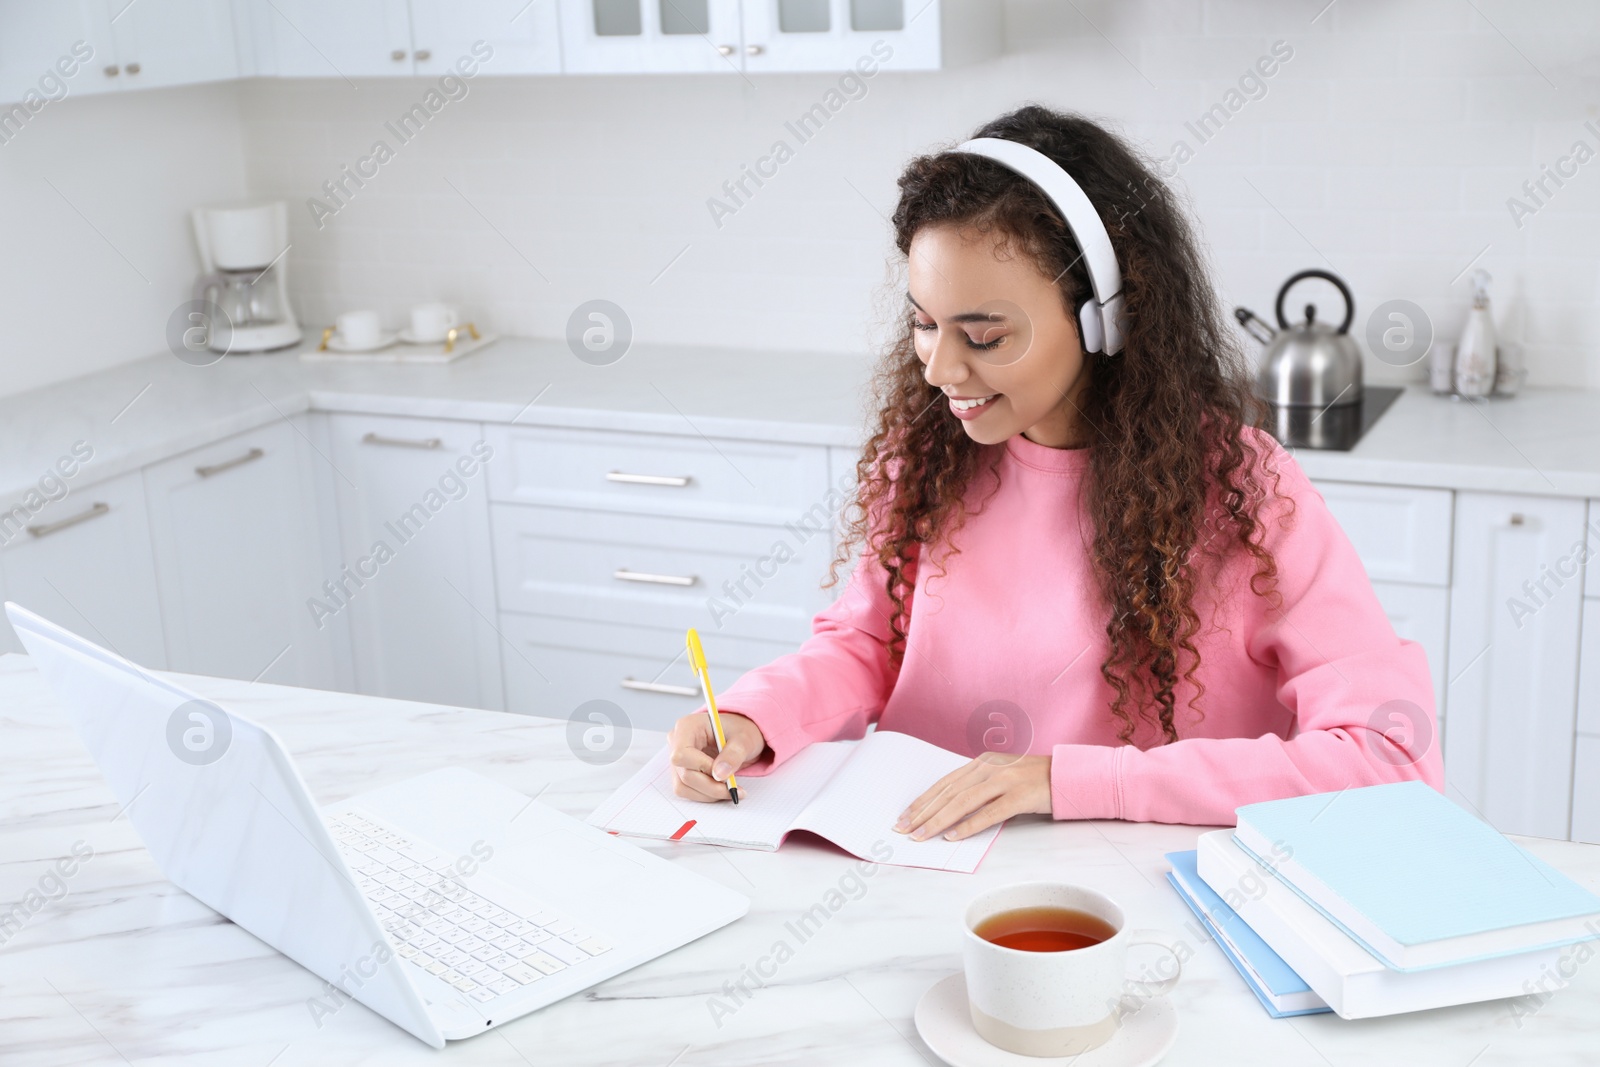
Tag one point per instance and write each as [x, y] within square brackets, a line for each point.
[447, 903]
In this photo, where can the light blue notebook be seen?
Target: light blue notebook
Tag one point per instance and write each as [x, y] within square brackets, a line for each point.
[1418, 881]
[1281, 991]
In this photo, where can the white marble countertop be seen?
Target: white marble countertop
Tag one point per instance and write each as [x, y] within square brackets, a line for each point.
[1545, 441]
[127, 969]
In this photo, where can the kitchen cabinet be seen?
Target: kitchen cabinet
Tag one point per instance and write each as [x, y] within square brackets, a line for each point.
[755, 36]
[110, 45]
[238, 561]
[350, 39]
[1513, 660]
[171, 42]
[85, 562]
[525, 37]
[650, 36]
[391, 38]
[416, 578]
[46, 46]
[1586, 789]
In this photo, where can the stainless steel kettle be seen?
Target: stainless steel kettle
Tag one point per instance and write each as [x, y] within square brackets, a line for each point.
[1309, 364]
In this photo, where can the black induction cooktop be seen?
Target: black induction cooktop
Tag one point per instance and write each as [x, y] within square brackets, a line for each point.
[1335, 429]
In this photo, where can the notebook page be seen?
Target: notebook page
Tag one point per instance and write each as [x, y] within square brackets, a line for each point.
[645, 805]
[887, 772]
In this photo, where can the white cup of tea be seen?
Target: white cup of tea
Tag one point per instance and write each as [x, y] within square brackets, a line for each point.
[359, 329]
[1046, 967]
[432, 322]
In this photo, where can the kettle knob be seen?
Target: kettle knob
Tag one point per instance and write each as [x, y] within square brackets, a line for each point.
[1344, 291]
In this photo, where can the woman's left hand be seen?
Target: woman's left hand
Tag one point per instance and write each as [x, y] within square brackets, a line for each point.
[990, 789]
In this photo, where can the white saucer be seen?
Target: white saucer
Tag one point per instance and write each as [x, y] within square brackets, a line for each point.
[412, 339]
[946, 1025]
[337, 344]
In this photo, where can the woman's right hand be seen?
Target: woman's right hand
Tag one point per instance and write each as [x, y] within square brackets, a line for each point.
[694, 751]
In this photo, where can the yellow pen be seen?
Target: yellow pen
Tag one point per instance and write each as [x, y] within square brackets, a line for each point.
[697, 662]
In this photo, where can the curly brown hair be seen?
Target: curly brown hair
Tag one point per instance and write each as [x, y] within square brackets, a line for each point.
[1173, 477]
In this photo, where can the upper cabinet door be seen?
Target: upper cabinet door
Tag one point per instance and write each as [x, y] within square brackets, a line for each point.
[497, 36]
[50, 51]
[650, 36]
[868, 35]
[172, 42]
[800, 35]
[350, 39]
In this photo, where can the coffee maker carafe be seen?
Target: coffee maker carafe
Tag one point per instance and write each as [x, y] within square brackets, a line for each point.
[246, 276]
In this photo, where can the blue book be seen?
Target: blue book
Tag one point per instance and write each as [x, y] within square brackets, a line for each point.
[1418, 881]
[1281, 991]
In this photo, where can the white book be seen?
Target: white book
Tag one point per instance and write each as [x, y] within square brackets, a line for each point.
[850, 792]
[1353, 981]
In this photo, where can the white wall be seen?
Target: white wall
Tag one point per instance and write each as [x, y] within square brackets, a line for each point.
[94, 228]
[1385, 148]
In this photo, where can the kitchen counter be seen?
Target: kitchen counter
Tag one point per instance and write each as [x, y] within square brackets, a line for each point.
[1545, 441]
[126, 968]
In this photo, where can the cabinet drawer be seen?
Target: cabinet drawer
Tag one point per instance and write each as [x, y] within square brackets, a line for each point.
[1401, 534]
[759, 581]
[658, 474]
[554, 665]
[1586, 790]
[1422, 614]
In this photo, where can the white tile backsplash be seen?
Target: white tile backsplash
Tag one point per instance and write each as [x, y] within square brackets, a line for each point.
[1389, 144]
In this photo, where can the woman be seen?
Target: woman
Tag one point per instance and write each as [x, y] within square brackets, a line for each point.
[1087, 570]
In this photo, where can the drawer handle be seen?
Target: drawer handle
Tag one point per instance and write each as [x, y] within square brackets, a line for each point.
[401, 442]
[677, 481]
[661, 687]
[623, 574]
[1518, 519]
[46, 529]
[237, 461]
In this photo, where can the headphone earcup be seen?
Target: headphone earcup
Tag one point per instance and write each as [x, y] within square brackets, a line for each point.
[1089, 327]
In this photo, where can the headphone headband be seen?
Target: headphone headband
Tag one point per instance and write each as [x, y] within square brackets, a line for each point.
[1101, 318]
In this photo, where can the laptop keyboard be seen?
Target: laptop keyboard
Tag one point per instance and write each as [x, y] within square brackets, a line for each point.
[442, 926]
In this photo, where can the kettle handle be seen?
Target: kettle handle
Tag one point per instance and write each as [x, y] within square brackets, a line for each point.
[1344, 291]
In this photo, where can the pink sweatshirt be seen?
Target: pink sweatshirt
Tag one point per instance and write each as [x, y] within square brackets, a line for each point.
[1296, 700]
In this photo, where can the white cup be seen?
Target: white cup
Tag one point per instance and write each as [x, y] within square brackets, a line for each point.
[359, 329]
[431, 322]
[1058, 1003]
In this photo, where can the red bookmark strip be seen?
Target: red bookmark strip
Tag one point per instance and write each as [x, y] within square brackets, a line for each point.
[682, 830]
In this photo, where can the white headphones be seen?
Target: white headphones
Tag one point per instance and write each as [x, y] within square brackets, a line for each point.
[1101, 317]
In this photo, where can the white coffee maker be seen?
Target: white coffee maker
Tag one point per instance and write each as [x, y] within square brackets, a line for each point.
[246, 276]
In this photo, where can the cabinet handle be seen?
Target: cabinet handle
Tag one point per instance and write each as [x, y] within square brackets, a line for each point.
[677, 481]
[753, 49]
[623, 574]
[132, 68]
[113, 70]
[401, 442]
[398, 55]
[661, 687]
[46, 529]
[724, 49]
[422, 55]
[228, 465]
[1518, 519]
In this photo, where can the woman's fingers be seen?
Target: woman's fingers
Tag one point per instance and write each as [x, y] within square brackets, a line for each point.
[956, 806]
[917, 813]
[699, 771]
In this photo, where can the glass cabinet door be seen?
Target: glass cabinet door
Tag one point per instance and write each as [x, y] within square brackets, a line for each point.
[800, 35]
[646, 36]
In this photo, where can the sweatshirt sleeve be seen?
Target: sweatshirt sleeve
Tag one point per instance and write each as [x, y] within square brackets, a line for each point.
[835, 684]
[1361, 697]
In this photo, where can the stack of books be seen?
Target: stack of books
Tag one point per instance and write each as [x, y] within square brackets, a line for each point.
[1382, 900]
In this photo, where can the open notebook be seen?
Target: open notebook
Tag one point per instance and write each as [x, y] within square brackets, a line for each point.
[849, 792]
